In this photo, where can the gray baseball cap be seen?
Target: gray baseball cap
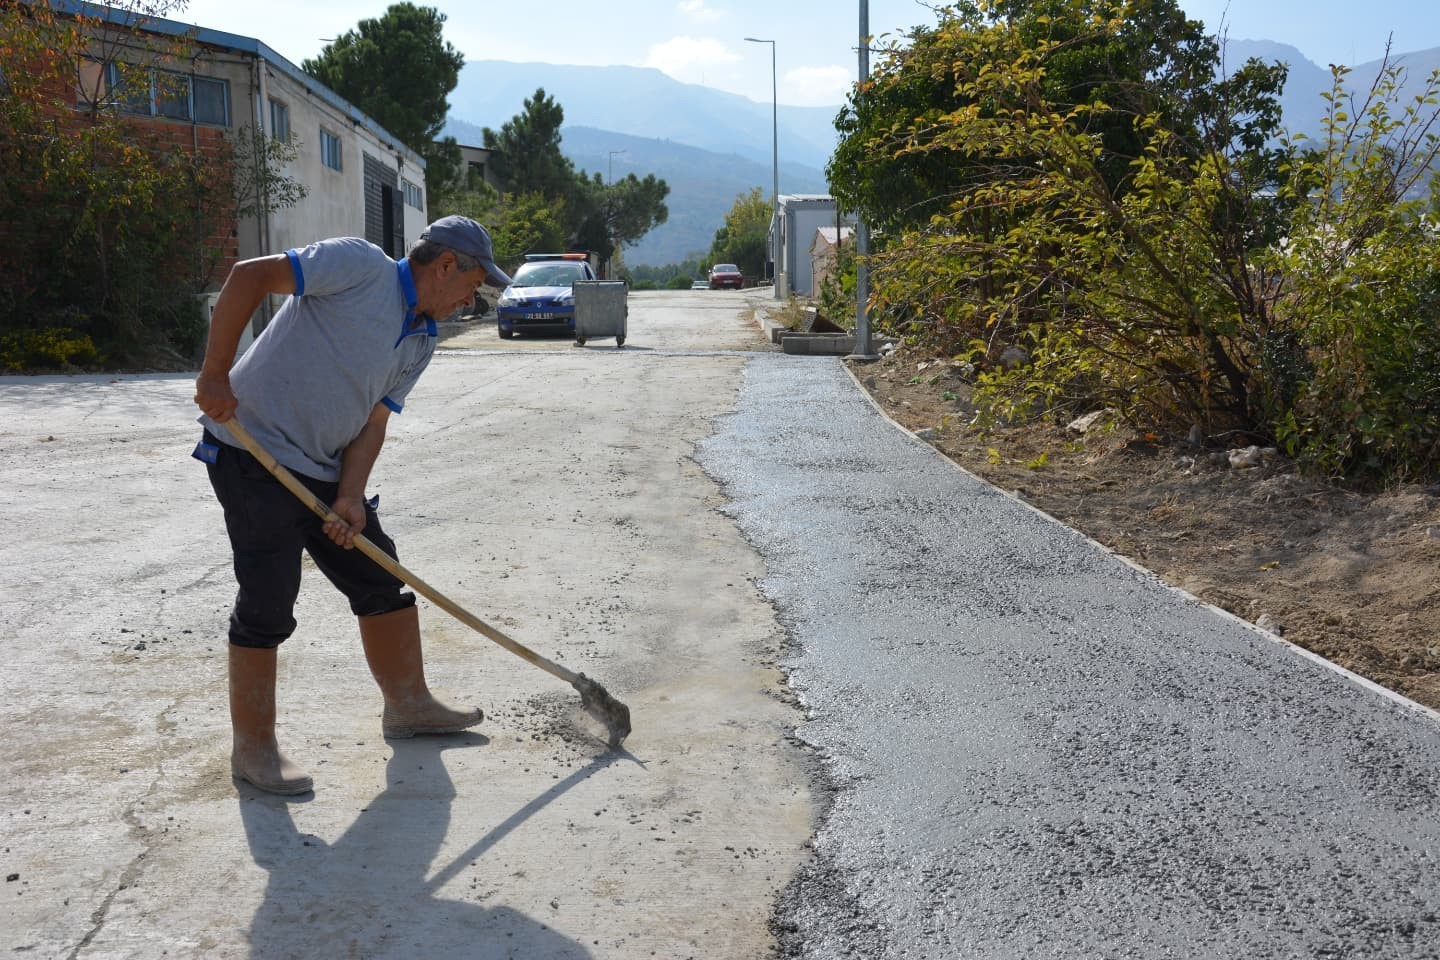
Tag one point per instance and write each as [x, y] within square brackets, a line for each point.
[468, 237]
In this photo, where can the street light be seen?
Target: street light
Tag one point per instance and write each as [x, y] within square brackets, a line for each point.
[610, 164]
[774, 150]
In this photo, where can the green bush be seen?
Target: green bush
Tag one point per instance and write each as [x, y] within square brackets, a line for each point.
[1361, 290]
[53, 349]
[1153, 250]
[109, 230]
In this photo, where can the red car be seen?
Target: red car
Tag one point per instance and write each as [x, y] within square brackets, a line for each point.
[726, 275]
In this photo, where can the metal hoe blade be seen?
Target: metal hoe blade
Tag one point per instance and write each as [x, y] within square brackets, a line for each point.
[599, 704]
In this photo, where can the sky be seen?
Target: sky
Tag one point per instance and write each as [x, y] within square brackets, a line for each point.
[703, 41]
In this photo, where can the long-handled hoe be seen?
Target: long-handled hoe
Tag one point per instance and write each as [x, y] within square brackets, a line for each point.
[594, 698]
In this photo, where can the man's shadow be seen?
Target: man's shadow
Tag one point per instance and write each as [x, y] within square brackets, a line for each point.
[371, 894]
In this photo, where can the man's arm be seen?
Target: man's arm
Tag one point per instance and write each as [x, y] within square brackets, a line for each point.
[355, 464]
[246, 286]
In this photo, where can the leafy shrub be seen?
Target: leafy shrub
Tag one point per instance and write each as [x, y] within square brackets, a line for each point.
[53, 349]
[109, 230]
[1133, 245]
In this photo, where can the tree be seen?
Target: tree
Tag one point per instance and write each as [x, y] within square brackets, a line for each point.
[1125, 60]
[83, 274]
[526, 223]
[527, 158]
[261, 186]
[526, 154]
[1096, 191]
[622, 212]
[742, 239]
[1119, 219]
[399, 69]
[1360, 286]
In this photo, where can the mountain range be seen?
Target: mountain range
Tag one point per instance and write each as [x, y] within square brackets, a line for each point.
[711, 146]
[703, 183]
[1302, 103]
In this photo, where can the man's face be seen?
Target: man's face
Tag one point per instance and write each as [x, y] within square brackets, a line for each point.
[454, 288]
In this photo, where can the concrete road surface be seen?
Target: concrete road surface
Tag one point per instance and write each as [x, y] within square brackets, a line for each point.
[548, 489]
[996, 740]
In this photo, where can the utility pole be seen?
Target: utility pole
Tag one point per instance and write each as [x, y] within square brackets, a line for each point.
[863, 349]
[774, 150]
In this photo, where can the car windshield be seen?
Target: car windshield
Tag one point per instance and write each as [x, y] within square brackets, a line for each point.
[726, 268]
[549, 274]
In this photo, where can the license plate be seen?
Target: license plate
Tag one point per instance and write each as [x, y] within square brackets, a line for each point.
[541, 316]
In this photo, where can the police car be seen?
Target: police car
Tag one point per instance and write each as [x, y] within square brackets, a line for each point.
[541, 298]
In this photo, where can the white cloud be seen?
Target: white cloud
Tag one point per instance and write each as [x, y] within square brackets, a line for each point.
[815, 86]
[685, 58]
[700, 10]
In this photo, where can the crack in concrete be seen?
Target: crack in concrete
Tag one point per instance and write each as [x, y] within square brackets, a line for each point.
[138, 832]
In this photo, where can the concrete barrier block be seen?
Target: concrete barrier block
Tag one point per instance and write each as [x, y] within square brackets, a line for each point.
[818, 344]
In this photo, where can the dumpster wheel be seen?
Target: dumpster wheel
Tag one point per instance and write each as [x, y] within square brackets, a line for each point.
[579, 342]
[619, 342]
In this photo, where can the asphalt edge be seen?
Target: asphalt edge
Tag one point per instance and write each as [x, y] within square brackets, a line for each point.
[1399, 699]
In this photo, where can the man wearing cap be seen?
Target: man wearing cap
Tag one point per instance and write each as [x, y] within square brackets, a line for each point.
[317, 389]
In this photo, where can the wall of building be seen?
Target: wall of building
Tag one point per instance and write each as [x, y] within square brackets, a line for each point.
[800, 218]
[337, 202]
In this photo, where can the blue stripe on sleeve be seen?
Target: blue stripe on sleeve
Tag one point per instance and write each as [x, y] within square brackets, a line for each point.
[299, 274]
[394, 407]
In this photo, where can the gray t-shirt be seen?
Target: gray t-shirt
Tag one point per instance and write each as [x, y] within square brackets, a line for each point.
[345, 341]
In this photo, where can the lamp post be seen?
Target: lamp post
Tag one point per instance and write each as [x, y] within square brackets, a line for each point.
[610, 165]
[774, 151]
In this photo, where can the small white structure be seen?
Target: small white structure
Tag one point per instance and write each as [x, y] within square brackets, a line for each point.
[792, 232]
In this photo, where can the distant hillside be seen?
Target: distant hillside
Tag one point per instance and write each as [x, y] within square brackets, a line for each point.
[703, 184]
[712, 146]
[643, 102]
[1304, 108]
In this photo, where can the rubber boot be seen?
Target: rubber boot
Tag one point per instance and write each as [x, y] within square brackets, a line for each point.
[255, 756]
[392, 648]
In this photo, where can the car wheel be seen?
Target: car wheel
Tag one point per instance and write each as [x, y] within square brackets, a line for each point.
[579, 342]
[619, 341]
[506, 334]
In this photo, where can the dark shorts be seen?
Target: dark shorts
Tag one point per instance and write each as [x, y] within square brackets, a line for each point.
[269, 527]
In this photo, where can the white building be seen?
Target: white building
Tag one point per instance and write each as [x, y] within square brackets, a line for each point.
[360, 180]
[792, 231]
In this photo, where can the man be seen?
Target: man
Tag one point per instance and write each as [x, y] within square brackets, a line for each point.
[316, 389]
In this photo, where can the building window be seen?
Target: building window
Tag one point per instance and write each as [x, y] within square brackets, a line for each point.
[329, 149]
[414, 196]
[279, 121]
[211, 99]
[155, 93]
